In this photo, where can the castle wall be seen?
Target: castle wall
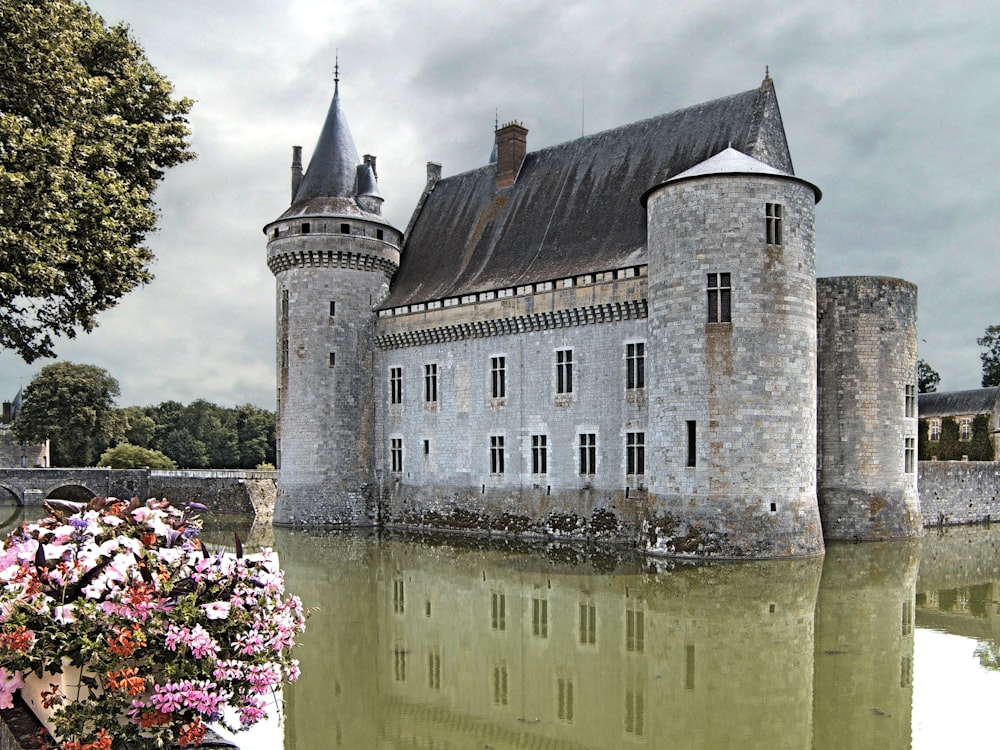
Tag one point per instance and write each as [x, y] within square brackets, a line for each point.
[867, 482]
[449, 479]
[732, 404]
[957, 492]
[326, 286]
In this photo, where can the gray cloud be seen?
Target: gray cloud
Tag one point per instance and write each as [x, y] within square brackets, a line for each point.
[889, 108]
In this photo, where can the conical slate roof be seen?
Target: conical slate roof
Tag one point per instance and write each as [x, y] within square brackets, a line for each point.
[332, 167]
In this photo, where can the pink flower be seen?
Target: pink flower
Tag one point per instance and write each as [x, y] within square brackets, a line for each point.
[9, 682]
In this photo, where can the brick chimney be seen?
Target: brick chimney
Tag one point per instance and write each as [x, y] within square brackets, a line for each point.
[512, 143]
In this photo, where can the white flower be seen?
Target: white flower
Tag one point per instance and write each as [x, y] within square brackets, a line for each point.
[216, 610]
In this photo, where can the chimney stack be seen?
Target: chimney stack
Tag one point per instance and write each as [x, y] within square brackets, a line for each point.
[512, 144]
[433, 172]
[296, 169]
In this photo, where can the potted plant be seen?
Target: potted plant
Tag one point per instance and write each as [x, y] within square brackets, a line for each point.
[126, 632]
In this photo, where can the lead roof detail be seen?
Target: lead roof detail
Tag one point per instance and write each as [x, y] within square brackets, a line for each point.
[576, 207]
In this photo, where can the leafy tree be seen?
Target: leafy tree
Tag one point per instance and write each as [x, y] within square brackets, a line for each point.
[73, 406]
[256, 431]
[140, 429]
[991, 357]
[949, 446]
[923, 440]
[128, 456]
[980, 448]
[927, 377]
[87, 126]
[186, 449]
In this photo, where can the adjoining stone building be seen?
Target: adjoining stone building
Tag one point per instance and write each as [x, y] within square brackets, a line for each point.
[616, 337]
[13, 453]
[969, 412]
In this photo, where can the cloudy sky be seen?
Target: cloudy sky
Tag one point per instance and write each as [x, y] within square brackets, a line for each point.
[891, 108]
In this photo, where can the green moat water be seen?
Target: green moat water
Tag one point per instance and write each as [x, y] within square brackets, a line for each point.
[454, 645]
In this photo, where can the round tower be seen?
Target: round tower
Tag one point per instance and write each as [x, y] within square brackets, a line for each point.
[732, 347]
[333, 256]
[868, 408]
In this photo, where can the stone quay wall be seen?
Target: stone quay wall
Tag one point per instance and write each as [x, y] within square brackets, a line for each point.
[959, 492]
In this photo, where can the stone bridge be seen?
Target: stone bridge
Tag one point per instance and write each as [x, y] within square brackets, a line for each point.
[222, 490]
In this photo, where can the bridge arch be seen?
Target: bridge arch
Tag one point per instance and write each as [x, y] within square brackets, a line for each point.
[8, 493]
[74, 491]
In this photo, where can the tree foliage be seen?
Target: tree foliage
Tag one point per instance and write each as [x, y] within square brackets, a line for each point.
[990, 341]
[205, 435]
[73, 406]
[128, 456]
[87, 127]
[927, 377]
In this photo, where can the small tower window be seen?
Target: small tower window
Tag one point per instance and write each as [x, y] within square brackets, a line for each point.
[719, 298]
[306, 227]
[333, 359]
[333, 308]
[773, 214]
[692, 443]
[275, 233]
[379, 234]
[345, 228]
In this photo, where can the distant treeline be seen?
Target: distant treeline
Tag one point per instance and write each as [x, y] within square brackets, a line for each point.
[203, 435]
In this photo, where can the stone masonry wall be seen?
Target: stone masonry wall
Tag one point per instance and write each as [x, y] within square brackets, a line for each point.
[957, 492]
[867, 486]
[748, 386]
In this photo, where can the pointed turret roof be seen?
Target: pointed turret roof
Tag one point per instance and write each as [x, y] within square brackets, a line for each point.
[334, 160]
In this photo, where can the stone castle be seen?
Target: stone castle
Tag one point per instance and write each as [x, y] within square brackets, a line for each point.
[621, 337]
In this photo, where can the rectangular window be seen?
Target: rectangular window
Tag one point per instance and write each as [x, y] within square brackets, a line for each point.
[498, 377]
[965, 429]
[910, 407]
[431, 383]
[909, 455]
[539, 454]
[399, 659]
[434, 670]
[499, 611]
[345, 228]
[395, 385]
[635, 453]
[692, 443]
[719, 298]
[284, 352]
[588, 623]
[635, 630]
[635, 712]
[540, 618]
[305, 228]
[496, 454]
[564, 371]
[588, 453]
[689, 667]
[500, 684]
[934, 430]
[635, 365]
[333, 308]
[284, 303]
[564, 699]
[333, 359]
[773, 213]
[398, 596]
[396, 455]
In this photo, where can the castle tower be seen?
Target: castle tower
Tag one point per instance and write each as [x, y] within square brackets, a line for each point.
[867, 480]
[332, 255]
[732, 346]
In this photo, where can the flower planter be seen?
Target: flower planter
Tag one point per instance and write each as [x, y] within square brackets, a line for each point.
[66, 682]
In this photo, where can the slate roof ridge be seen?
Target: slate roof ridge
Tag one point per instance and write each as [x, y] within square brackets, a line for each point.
[951, 403]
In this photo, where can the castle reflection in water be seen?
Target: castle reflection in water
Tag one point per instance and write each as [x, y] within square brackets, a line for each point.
[422, 645]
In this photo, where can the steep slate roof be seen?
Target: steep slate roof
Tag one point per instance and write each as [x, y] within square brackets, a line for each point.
[575, 207]
[958, 403]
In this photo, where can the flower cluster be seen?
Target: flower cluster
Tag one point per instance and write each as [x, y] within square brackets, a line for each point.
[170, 637]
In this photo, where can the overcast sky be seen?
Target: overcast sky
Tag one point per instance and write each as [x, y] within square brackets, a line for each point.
[891, 108]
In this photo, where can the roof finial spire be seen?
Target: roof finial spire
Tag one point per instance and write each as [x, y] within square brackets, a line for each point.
[336, 70]
[767, 72]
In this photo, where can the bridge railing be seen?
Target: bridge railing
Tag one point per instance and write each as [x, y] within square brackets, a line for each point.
[214, 473]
